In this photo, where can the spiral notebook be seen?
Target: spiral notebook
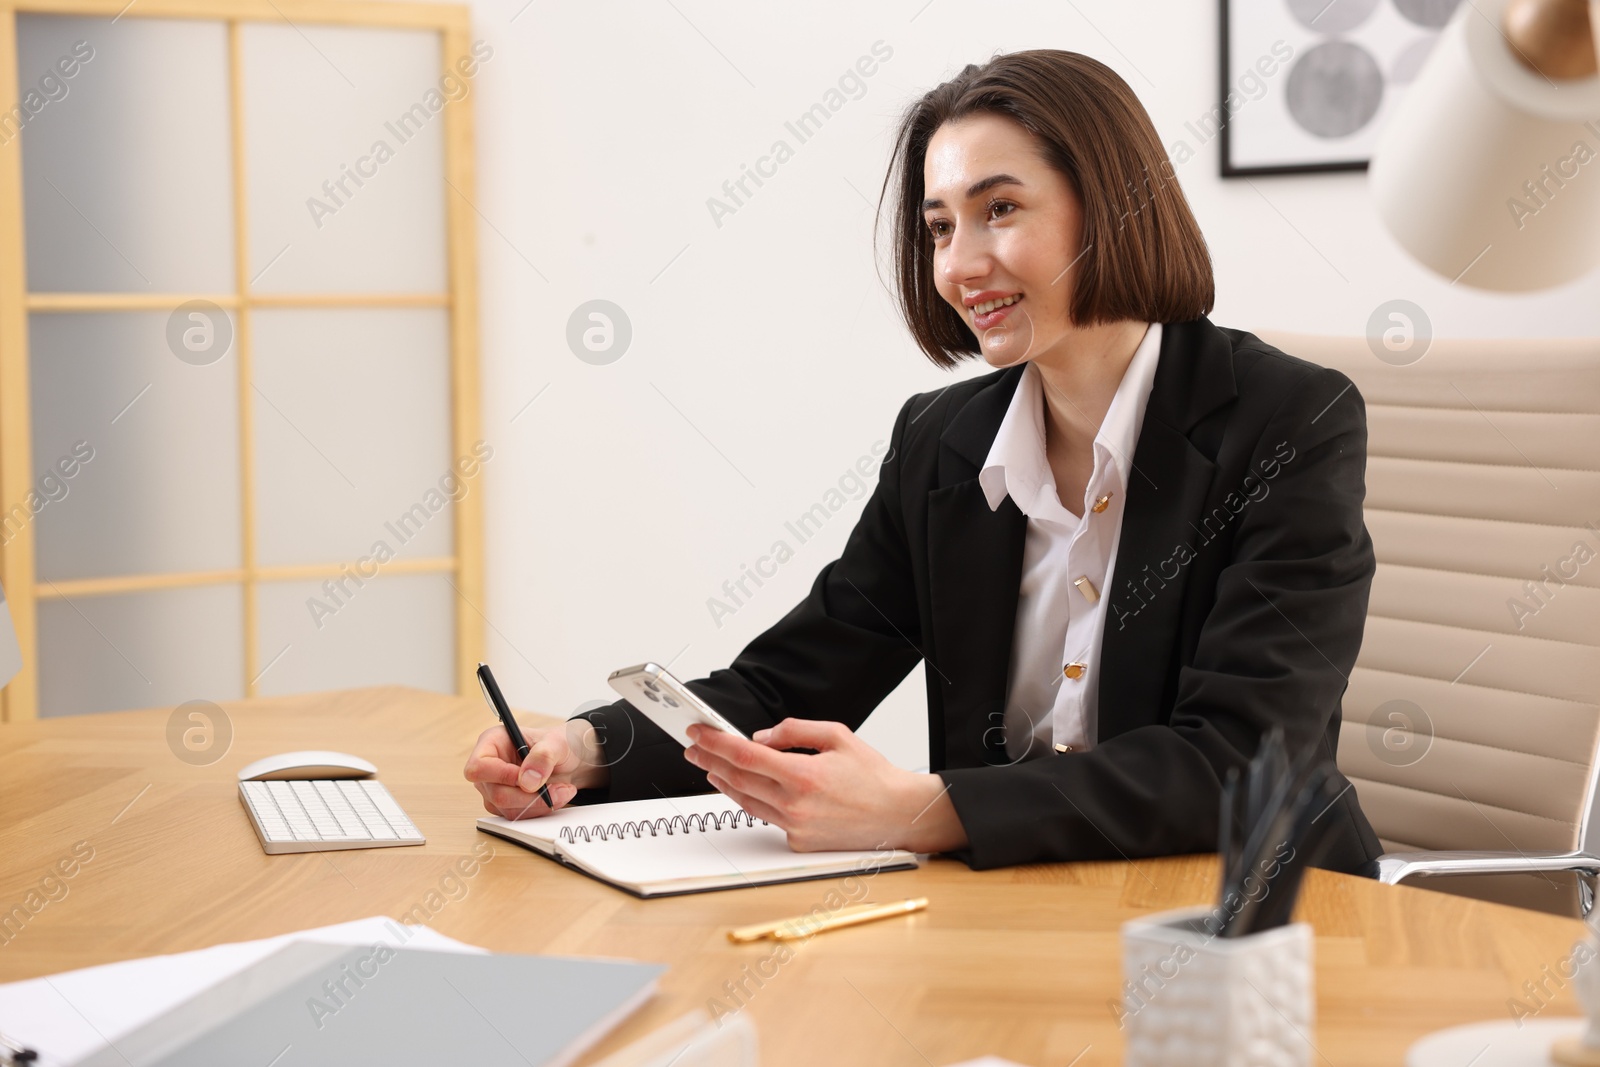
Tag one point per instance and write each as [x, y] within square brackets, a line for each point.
[654, 848]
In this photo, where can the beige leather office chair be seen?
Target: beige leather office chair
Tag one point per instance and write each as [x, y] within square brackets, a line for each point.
[1473, 713]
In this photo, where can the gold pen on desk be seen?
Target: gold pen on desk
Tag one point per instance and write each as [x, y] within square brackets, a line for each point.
[766, 930]
[758, 931]
[799, 927]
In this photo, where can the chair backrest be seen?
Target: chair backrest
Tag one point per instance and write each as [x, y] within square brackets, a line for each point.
[1473, 713]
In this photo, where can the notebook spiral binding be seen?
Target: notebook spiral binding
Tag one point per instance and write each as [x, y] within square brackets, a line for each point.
[701, 821]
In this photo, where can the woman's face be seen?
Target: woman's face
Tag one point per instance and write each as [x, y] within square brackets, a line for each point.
[1006, 226]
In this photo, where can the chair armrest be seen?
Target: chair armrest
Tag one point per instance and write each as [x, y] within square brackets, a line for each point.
[1396, 867]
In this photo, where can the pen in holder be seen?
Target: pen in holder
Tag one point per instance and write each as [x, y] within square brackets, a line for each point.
[1232, 984]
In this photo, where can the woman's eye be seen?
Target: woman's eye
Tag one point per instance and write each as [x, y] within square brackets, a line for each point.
[938, 227]
[1001, 208]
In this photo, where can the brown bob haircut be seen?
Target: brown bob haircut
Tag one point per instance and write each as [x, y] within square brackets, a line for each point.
[1144, 257]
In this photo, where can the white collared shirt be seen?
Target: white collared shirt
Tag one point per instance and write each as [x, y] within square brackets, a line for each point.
[1052, 693]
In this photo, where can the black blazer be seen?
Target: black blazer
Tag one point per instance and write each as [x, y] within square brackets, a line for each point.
[1238, 601]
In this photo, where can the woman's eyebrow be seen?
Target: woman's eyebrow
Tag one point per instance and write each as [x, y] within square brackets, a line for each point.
[977, 189]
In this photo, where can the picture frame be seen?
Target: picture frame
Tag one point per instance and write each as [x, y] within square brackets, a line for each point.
[1304, 86]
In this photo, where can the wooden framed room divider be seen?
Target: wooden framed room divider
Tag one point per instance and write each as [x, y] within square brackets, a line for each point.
[239, 436]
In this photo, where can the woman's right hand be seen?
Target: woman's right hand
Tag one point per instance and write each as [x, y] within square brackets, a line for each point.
[567, 756]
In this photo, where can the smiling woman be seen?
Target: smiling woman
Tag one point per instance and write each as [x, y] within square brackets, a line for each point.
[1036, 224]
[1094, 161]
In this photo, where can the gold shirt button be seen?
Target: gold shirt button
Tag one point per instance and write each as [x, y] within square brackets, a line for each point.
[1063, 749]
[1086, 587]
[1101, 504]
[1074, 670]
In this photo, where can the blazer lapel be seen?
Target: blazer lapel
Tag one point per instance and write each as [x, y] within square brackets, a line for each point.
[975, 571]
[1166, 492]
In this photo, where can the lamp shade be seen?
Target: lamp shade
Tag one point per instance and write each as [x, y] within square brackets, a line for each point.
[1487, 172]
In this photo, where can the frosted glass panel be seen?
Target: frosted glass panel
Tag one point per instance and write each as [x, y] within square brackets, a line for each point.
[388, 630]
[352, 425]
[126, 173]
[344, 135]
[161, 490]
[140, 650]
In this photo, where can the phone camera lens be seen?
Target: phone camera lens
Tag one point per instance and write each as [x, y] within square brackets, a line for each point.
[670, 702]
[652, 696]
[652, 686]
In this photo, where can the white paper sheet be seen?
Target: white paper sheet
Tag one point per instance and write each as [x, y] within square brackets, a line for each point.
[64, 1017]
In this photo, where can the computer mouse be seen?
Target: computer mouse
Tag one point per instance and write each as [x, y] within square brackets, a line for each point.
[307, 765]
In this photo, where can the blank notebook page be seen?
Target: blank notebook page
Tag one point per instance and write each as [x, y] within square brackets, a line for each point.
[721, 856]
[681, 845]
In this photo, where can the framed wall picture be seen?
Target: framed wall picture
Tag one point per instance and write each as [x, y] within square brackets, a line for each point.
[1307, 84]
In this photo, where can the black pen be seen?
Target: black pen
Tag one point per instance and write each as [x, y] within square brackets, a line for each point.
[502, 710]
[14, 1052]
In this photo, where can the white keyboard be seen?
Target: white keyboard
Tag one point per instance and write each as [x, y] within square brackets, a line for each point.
[325, 814]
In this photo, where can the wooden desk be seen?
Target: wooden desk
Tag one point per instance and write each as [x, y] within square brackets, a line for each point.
[1022, 963]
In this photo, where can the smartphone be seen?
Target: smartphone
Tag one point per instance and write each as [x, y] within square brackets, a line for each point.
[667, 702]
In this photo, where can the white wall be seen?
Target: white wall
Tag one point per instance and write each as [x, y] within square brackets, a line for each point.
[766, 357]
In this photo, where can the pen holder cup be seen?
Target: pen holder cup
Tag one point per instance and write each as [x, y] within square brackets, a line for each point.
[1193, 998]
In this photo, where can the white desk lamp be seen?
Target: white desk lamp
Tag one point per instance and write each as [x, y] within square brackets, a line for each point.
[1488, 171]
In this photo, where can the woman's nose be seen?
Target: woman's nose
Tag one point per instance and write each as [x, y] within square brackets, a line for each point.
[965, 259]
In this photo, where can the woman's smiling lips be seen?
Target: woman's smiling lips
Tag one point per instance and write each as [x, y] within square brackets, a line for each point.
[985, 320]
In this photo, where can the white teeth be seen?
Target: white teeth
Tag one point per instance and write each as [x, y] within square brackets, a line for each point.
[989, 305]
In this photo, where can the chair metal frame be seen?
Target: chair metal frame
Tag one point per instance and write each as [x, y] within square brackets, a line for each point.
[1584, 861]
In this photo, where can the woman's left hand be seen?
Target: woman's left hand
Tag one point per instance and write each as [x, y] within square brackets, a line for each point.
[847, 796]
